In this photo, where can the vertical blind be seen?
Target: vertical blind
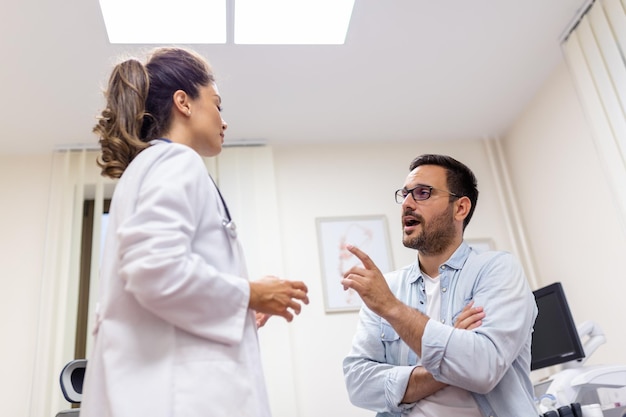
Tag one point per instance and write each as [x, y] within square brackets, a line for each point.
[75, 177]
[595, 52]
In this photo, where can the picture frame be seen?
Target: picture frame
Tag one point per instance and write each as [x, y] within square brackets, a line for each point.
[481, 244]
[368, 233]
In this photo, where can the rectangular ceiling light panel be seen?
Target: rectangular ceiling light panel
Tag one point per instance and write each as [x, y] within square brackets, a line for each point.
[302, 22]
[165, 21]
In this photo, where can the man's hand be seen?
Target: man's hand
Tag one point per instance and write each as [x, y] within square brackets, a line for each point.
[369, 283]
[470, 318]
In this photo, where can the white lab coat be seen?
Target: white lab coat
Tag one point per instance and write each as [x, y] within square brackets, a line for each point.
[174, 335]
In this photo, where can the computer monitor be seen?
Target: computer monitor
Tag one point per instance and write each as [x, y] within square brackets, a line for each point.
[555, 337]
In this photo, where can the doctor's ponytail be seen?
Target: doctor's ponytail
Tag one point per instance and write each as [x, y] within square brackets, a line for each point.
[120, 124]
[139, 103]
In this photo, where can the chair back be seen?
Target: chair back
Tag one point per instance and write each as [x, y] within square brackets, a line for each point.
[71, 380]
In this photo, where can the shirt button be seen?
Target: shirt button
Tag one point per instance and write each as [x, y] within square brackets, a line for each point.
[443, 321]
[444, 289]
[382, 335]
[443, 267]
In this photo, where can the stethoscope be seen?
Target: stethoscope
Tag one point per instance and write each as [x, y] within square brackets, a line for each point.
[227, 223]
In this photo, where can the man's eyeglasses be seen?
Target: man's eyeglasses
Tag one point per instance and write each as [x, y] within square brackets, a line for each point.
[419, 193]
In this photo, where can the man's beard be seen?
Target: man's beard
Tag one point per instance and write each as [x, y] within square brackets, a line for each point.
[436, 235]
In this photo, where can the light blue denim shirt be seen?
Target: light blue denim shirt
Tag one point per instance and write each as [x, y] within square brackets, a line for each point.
[491, 361]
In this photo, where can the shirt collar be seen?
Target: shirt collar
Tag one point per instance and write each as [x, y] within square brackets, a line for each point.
[456, 261]
[458, 258]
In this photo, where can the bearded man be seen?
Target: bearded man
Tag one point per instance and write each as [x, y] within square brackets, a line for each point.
[450, 334]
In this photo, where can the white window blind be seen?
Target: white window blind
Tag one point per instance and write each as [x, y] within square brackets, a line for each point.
[74, 178]
[595, 51]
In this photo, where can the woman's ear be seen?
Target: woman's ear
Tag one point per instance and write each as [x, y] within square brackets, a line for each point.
[182, 102]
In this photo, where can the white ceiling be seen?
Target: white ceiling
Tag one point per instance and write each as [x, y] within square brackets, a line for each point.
[409, 70]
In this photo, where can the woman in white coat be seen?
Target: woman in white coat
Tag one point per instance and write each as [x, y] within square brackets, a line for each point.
[177, 317]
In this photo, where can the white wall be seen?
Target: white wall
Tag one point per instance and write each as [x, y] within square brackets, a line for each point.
[24, 187]
[571, 220]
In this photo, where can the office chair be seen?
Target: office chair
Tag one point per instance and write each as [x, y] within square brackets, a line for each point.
[71, 380]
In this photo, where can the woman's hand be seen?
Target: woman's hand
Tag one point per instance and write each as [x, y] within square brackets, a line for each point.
[261, 319]
[278, 297]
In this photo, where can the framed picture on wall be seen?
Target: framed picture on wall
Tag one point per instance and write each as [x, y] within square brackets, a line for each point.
[368, 233]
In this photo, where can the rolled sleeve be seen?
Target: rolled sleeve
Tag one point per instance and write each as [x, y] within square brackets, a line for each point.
[366, 371]
[434, 343]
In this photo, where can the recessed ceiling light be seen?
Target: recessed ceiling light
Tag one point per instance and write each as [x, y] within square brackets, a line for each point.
[205, 21]
[165, 21]
[292, 21]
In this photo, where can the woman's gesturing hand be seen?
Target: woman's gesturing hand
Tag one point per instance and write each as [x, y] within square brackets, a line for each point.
[271, 295]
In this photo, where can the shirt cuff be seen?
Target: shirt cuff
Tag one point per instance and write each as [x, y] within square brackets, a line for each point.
[396, 386]
[434, 341]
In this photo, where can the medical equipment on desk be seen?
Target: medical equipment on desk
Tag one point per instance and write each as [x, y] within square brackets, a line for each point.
[577, 383]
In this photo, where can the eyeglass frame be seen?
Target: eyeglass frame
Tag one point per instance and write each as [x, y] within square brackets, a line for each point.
[400, 193]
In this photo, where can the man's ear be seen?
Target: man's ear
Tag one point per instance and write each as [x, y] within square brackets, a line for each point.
[182, 102]
[462, 208]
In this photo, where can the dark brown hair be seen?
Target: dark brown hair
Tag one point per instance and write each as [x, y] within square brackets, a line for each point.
[459, 178]
[139, 103]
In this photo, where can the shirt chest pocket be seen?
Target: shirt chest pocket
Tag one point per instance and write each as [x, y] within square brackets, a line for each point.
[396, 351]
